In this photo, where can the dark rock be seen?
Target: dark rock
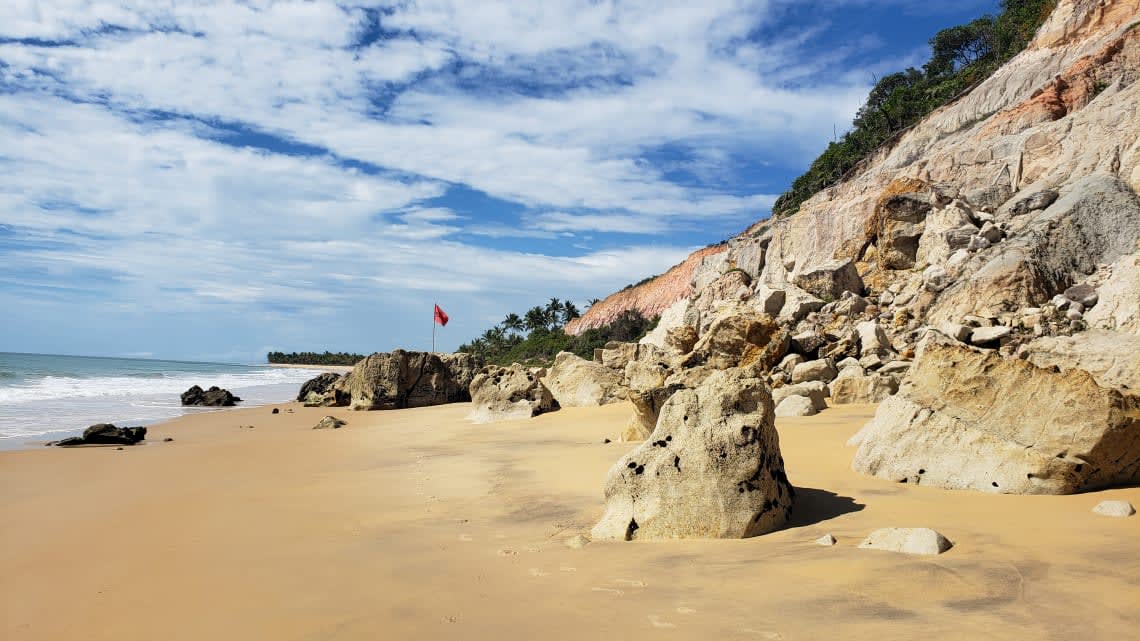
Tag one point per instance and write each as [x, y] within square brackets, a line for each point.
[1083, 294]
[275, 411]
[105, 434]
[213, 397]
[319, 385]
[1038, 200]
[167, 440]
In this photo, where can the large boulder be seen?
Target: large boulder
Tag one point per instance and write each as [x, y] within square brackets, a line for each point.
[104, 434]
[464, 367]
[815, 391]
[711, 468]
[856, 388]
[508, 393]
[402, 379]
[577, 382]
[1118, 298]
[213, 397]
[829, 280]
[796, 406]
[742, 337]
[1112, 358]
[817, 370]
[967, 418]
[323, 391]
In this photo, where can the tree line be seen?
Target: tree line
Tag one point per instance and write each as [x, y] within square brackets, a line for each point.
[536, 336]
[961, 57]
[314, 358]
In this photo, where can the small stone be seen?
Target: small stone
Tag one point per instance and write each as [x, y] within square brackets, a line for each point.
[1083, 294]
[957, 331]
[577, 542]
[1114, 508]
[988, 335]
[276, 411]
[826, 540]
[935, 279]
[607, 441]
[118, 448]
[167, 440]
[1074, 315]
[978, 243]
[907, 541]
[1060, 302]
[328, 423]
[796, 406]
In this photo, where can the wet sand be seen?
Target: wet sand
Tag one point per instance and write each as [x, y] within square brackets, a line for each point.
[417, 525]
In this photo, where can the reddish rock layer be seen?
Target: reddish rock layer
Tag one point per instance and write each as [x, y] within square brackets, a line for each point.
[649, 298]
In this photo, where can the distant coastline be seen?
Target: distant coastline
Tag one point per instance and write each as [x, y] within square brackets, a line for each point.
[339, 369]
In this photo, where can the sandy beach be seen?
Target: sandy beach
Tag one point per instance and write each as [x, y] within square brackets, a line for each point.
[415, 524]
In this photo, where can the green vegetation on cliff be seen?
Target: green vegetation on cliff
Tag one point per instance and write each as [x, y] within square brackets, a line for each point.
[961, 57]
[313, 358]
[536, 337]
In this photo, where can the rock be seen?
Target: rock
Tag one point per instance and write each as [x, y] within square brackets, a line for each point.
[1074, 314]
[1112, 358]
[329, 423]
[851, 371]
[829, 280]
[851, 305]
[907, 540]
[167, 440]
[317, 386]
[991, 232]
[808, 342]
[1084, 294]
[1038, 200]
[681, 339]
[617, 355]
[577, 382]
[872, 338]
[743, 338]
[978, 243]
[969, 419]
[213, 397]
[815, 391]
[509, 393]
[796, 406]
[850, 361]
[789, 362]
[988, 335]
[462, 367]
[1114, 508]
[767, 300]
[957, 331]
[672, 317]
[899, 223]
[895, 367]
[935, 279]
[711, 469]
[827, 540]
[817, 370]
[874, 388]
[989, 197]
[403, 379]
[960, 238]
[104, 434]
[727, 290]
[647, 406]
[275, 411]
[577, 542]
[798, 304]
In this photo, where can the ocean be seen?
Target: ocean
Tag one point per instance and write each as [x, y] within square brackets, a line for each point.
[44, 397]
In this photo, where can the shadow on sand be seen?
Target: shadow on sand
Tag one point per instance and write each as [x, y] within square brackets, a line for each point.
[815, 506]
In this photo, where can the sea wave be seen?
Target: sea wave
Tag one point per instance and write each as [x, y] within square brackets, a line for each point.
[56, 388]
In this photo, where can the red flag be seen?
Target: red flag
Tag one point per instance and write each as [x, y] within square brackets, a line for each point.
[440, 316]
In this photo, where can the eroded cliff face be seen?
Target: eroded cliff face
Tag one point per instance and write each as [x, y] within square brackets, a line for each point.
[1061, 118]
[650, 298]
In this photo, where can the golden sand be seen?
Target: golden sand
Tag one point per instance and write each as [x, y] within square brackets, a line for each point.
[418, 525]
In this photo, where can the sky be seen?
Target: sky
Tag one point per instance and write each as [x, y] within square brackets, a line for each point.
[217, 179]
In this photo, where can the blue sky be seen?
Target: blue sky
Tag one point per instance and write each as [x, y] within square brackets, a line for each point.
[218, 179]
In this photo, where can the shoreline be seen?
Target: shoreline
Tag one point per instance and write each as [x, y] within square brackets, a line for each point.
[420, 524]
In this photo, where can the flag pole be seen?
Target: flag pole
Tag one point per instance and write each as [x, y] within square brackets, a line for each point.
[433, 328]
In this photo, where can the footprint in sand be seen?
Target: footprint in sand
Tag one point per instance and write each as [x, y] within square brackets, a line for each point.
[681, 609]
[658, 623]
[507, 552]
[465, 538]
[614, 591]
[538, 572]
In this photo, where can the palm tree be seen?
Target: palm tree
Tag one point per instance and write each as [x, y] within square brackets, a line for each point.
[593, 301]
[569, 312]
[535, 318]
[513, 323]
[553, 312]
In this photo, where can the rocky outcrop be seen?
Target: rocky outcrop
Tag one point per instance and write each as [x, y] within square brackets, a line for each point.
[874, 388]
[213, 397]
[330, 423]
[966, 418]
[740, 337]
[710, 469]
[402, 379]
[104, 434]
[577, 382]
[509, 393]
[907, 540]
[323, 391]
[1112, 358]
